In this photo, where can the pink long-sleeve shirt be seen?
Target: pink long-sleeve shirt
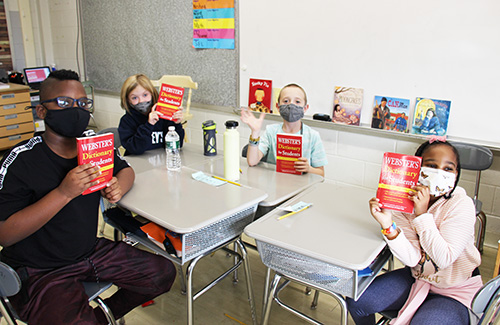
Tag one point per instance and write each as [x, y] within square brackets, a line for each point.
[439, 245]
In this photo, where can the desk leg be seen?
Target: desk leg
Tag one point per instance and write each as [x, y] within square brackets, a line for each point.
[189, 291]
[270, 295]
[235, 274]
[248, 274]
[182, 276]
[266, 290]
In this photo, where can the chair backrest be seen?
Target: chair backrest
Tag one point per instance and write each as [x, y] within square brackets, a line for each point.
[118, 143]
[179, 81]
[486, 299]
[10, 284]
[473, 157]
[484, 295]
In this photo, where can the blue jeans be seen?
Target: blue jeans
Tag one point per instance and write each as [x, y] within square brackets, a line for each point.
[389, 291]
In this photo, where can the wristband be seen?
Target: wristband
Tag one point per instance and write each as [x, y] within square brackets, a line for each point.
[253, 141]
[389, 230]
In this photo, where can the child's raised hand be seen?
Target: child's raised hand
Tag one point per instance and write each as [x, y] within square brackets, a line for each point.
[113, 191]
[421, 197]
[154, 116]
[78, 180]
[383, 216]
[178, 115]
[249, 119]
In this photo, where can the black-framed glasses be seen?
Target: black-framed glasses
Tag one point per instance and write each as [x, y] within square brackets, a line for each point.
[67, 102]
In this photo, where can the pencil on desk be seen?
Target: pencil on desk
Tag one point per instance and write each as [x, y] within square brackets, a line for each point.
[225, 180]
[292, 213]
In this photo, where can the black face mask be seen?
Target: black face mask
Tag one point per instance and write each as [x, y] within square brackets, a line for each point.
[68, 122]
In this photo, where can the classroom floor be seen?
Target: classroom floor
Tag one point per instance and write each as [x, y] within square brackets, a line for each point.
[227, 303]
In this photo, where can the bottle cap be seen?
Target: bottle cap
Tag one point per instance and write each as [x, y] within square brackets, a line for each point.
[208, 125]
[231, 124]
[171, 128]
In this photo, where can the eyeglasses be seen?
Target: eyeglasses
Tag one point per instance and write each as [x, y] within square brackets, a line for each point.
[67, 102]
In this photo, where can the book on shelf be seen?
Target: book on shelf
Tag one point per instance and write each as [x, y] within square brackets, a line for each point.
[390, 113]
[288, 151]
[169, 101]
[347, 105]
[274, 105]
[431, 116]
[399, 173]
[259, 95]
[99, 151]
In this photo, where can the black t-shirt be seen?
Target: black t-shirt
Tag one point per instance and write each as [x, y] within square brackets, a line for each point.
[28, 172]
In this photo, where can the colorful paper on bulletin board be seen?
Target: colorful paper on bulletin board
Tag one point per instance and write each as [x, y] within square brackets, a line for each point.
[213, 24]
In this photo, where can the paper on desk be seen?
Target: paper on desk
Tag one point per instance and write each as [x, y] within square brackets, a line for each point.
[202, 177]
[296, 207]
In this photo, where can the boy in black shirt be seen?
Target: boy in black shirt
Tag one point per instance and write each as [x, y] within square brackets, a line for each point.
[48, 229]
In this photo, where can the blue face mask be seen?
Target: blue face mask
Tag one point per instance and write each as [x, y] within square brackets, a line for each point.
[291, 112]
[142, 107]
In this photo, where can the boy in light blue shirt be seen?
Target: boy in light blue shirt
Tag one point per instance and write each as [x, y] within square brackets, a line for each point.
[292, 103]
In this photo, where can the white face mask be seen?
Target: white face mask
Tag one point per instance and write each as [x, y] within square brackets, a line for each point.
[438, 181]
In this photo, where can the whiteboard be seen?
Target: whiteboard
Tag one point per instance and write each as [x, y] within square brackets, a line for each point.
[445, 49]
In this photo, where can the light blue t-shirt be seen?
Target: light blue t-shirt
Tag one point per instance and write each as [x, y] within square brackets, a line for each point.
[312, 147]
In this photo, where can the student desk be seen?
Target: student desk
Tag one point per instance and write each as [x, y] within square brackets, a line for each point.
[278, 186]
[209, 218]
[322, 247]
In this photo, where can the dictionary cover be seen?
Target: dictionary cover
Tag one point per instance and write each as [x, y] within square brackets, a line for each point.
[288, 151]
[170, 101]
[399, 173]
[99, 151]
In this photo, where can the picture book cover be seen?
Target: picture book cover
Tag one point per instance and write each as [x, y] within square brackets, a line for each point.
[391, 113]
[99, 151]
[347, 105]
[399, 173]
[274, 105]
[288, 151]
[431, 116]
[259, 95]
[169, 101]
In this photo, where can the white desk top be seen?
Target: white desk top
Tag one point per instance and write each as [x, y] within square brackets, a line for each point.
[278, 186]
[337, 229]
[190, 154]
[176, 201]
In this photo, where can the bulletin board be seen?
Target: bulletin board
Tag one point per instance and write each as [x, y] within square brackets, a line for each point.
[154, 37]
[448, 50]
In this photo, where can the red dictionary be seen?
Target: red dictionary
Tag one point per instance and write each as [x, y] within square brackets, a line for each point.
[288, 151]
[170, 101]
[399, 173]
[99, 151]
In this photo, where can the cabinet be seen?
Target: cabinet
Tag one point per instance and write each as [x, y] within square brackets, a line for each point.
[16, 122]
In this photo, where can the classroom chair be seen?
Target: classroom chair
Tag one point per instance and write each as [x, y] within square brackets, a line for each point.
[244, 151]
[10, 284]
[477, 158]
[89, 90]
[179, 81]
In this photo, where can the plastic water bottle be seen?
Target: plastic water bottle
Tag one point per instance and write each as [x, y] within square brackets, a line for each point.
[172, 145]
[231, 151]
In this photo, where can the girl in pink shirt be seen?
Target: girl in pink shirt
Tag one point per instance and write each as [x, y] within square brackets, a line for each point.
[436, 245]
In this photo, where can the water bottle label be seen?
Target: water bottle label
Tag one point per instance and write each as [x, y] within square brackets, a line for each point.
[173, 145]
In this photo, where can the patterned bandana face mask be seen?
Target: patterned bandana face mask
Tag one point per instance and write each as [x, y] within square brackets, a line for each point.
[438, 181]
